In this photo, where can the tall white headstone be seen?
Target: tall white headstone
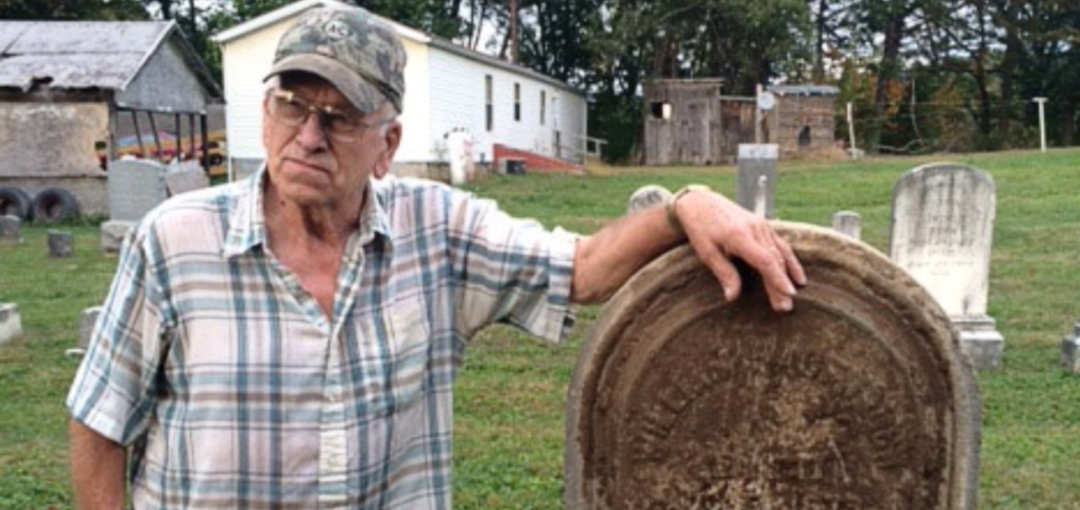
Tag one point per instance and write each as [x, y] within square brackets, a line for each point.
[941, 232]
[757, 161]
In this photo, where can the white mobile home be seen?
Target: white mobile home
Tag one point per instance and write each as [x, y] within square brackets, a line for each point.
[447, 88]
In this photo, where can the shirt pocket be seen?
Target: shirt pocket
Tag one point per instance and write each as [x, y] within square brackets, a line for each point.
[409, 329]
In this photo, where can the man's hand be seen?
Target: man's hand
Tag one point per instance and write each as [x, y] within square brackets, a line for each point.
[720, 229]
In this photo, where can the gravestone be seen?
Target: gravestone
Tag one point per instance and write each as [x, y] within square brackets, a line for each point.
[645, 197]
[185, 176]
[754, 162]
[847, 223]
[113, 233]
[858, 398]
[1070, 350]
[941, 232]
[86, 325]
[10, 323]
[61, 243]
[10, 229]
[135, 186]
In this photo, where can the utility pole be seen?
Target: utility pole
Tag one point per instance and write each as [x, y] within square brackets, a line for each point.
[513, 32]
[1042, 121]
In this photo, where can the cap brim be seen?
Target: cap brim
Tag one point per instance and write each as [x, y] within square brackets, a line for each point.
[363, 95]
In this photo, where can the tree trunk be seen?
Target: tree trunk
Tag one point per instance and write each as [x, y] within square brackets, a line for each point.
[887, 71]
[819, 50]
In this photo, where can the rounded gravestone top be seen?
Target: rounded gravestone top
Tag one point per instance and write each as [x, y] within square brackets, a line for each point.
[645, 197]
[857, 399]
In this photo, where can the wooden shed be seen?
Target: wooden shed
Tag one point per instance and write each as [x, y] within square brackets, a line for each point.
[692, 122]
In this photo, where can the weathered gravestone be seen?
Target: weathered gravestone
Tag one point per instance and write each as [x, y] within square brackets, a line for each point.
[1070, 350]
[848, 223]
[941, 232]
[113, 233]
[645, 197]
[858, 399]
[185, 176]
[135, 187]
[61, 243]
[756, 161]
[10, 323]
[10, 229]
[86, 325]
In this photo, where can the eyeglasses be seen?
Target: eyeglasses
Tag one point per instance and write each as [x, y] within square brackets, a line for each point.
[341, 124]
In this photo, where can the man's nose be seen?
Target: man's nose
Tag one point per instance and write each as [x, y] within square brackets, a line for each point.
[311, 136]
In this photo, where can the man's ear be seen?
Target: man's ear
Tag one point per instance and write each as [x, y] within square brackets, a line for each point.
[392, 138]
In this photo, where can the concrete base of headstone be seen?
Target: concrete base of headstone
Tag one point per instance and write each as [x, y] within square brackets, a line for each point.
[61, 243]
[10, 324]
[1070, 350]
[86, 325]
[113, 233]
[980, 341]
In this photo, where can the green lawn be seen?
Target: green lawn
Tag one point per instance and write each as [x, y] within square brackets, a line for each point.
[510, 396]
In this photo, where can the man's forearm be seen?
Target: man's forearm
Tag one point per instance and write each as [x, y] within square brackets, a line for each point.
[606, 259]
[97, 469]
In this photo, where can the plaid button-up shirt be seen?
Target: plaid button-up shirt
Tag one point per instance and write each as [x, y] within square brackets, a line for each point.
[239, 392]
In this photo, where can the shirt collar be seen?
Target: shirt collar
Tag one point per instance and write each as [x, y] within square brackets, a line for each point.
[247, 222]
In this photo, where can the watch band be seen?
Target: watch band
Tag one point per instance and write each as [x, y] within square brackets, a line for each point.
[669, 205]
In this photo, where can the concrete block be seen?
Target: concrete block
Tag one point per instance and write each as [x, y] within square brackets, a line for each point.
[113, 233]
[10, 323]
[61, 243]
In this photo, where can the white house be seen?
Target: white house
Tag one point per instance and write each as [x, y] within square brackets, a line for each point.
[447, 87]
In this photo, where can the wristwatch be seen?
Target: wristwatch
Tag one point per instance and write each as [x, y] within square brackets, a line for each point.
[669, 205]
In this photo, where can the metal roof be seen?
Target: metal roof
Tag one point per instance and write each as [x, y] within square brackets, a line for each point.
[86, 54]
[804, 90]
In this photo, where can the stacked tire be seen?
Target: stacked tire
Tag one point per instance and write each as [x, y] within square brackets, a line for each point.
[49, 205]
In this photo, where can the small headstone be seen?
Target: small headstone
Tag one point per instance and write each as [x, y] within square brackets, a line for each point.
[645, 197]
[1070, 350]
[10, 229]
[184, 177]
[860, 398]
[847, 223]
[135, 187]
[86, 325]
[113, 233]
[941, 232]
[61, 243]
[757, 161]
[10, 324]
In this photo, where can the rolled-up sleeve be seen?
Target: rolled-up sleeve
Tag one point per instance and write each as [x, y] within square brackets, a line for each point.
[114, 389]
[510, 270]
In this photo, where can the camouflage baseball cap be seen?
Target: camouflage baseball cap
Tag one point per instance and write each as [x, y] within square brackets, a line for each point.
[349, 47]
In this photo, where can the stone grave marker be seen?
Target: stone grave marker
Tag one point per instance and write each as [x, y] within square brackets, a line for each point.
[941, 232]
[61, 243]
[10, 229]
[113, 233]
[645, 197]
[755, 161]
[135, 186]
[1070, 350]
[848, 223]
[184, 177]
[859, 398]
[10, 323]
[86, 325]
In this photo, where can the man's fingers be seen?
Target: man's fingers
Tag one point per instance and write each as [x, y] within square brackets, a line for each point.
[794, 268]
[766, 256]
[721, 267]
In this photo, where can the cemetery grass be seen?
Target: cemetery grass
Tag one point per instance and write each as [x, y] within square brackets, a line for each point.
[510, 393]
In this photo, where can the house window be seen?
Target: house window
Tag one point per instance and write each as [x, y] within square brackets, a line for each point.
[804, 137]
[517, 102]
[661, 110]
[543, 106]
[489, 108]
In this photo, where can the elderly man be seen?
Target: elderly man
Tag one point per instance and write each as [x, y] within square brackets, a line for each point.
[291, 340]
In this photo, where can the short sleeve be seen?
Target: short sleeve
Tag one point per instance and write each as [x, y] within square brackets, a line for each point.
[114, 388]
[510, 270]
